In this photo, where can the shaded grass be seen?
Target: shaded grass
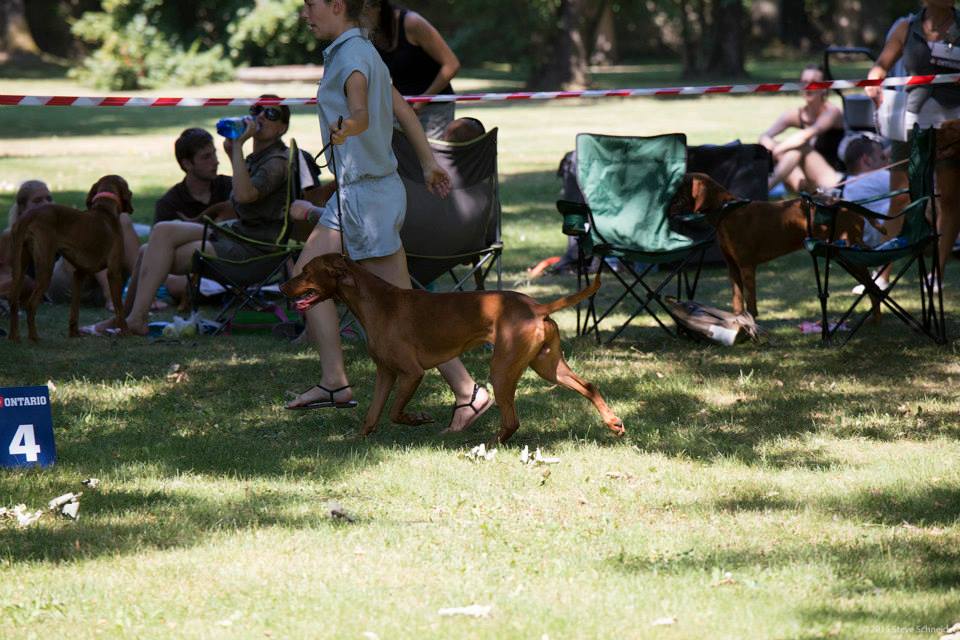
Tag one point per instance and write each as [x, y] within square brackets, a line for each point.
[821, 480]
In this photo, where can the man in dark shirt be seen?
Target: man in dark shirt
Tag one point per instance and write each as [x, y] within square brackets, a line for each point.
[201, 186]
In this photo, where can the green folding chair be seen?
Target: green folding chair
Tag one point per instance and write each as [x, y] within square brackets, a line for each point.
[917, 239]
[628, 184]
[245, 280]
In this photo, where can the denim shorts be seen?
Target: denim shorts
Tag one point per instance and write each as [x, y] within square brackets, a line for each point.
[373, 212]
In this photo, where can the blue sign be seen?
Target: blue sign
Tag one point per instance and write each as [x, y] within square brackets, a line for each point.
[26, 427]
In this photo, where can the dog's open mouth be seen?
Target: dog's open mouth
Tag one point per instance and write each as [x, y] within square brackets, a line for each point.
[307, 300]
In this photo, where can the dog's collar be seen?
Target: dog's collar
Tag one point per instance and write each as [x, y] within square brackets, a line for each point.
[108, 194]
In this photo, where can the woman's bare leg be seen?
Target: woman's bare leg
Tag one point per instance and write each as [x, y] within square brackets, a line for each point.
[170, 250]
[818, 171]
[323, 326]
[786, 163]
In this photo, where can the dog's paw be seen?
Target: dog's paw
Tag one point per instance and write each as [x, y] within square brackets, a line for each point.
[616, 425]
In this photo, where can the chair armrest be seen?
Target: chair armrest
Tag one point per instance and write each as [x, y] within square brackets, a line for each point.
[576, 216]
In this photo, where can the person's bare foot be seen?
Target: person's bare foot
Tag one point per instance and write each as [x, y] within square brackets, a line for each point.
[468, 409]
[138, 328]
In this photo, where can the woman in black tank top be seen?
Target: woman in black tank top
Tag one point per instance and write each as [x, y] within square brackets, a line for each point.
[806, 159]
[419, 60]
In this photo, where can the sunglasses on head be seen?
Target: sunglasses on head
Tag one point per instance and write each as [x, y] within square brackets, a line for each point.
[270, 113]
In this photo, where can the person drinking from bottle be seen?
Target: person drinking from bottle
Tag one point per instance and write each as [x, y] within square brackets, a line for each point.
[258, 196]
[372, 202]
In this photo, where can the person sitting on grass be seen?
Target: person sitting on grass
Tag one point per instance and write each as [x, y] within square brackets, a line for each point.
[30, 194]
[201, 186]
[258, 197]
[809, 153]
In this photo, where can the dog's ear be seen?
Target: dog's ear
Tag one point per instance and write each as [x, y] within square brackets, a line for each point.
[342, 271]
[126, 196]
[93, 191]
[683, 200]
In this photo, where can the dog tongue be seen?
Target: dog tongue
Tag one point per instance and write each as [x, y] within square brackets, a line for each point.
[305, 303]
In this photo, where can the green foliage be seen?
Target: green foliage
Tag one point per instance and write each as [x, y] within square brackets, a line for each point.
[271, 33]
[132, 52]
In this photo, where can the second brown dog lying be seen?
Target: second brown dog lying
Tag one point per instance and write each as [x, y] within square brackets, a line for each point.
[409, 331]
[757, 232]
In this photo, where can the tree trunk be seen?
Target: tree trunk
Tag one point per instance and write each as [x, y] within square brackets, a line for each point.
[566, 66]
[604, 37]
[15, 36]
[795, 27]
[726, 44]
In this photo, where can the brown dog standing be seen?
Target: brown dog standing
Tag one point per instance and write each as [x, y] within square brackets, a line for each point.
[91, 241]
[757, 232]
[409, 331]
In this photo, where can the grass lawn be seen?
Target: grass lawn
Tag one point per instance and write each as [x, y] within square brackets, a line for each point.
[777, 491]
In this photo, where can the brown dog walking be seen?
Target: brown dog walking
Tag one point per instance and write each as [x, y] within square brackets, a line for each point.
[91, 241]
[409, 331]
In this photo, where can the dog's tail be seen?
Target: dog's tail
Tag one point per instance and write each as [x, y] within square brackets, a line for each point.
[569, 301]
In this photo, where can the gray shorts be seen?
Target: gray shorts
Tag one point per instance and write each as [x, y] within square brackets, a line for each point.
[373, 212]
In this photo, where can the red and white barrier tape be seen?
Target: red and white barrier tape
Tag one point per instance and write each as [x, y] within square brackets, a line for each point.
[775, 87]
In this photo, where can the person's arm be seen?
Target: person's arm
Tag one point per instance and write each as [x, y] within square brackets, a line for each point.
[779, 126]
[438, 182]
[359, 120]
[892, 50]
[424, 35]
[243, 190]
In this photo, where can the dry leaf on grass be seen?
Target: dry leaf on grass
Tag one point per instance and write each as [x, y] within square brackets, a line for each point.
[536, 458]
[664, 622]
[480, 452]
[177, 374]
[472, 611]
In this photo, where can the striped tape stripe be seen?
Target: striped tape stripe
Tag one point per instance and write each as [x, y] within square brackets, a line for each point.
[774, 87]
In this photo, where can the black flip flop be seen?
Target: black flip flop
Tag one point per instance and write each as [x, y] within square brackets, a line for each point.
[323, 404]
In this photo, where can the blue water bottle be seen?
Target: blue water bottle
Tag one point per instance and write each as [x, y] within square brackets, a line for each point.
[232, 128]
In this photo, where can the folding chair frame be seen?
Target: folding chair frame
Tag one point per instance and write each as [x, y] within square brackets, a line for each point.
[483, 262]
[932, 322]
[678, 272]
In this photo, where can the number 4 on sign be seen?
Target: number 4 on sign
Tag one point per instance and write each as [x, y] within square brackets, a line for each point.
[24, 443]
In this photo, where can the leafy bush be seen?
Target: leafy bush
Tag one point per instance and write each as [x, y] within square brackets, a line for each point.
[131, 52]
[271, 33]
